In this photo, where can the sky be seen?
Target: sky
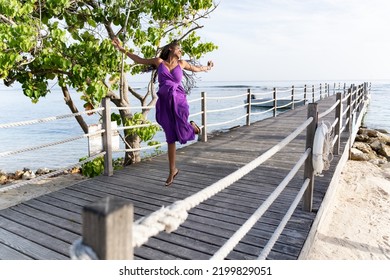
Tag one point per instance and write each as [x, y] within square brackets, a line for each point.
[299, 40]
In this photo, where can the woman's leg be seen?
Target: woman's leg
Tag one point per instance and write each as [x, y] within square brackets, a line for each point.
[173, 171]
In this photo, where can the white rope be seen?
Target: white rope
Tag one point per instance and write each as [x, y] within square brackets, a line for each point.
[8, 125]
[263, 112]
[79, 251]
[195, 100]
[137, 126]
[170, 218]
[48, 175]
[262, 93]
[329, 110]
[195, 114]
[140, 149]
[227, 97]
[271, 242]
[263, 102]
[33, 148]
[133, 108]
[246, 227]
[285, 105]
[222, 123]
[226, 109]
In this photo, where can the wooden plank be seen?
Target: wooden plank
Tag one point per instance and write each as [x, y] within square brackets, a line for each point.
[27, 247]
[51, 243]
[7, 253]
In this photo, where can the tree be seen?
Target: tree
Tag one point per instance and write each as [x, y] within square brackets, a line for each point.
[69, 41]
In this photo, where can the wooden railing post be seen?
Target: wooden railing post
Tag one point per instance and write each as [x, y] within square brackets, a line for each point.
[292, 98]
[304, 95]
[204, 116]
[107, 228]
[249, 108]
[107, 137]
[338, 114]
[309, 171]
[349, 111]
[320, 91]
[275, 102]
[313, 94]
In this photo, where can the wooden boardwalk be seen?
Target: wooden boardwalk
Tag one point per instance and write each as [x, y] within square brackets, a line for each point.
[45, 227]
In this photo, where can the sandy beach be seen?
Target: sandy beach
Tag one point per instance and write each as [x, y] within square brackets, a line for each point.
[357, 224]
[356, 227]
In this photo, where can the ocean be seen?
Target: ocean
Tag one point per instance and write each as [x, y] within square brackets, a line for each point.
[15, 107]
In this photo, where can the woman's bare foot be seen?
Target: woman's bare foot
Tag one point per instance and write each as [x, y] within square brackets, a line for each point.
[171, 177]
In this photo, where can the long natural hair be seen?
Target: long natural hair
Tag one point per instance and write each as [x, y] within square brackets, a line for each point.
[189, 79]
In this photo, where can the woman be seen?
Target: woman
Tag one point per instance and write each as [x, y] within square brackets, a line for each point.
[172, 109]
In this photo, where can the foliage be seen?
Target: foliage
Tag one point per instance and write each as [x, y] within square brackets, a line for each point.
[93, 168]
[96, 167]
[145, 133]
[69, 42]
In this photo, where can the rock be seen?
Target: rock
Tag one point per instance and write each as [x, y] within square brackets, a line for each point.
[384, 138]
[384, 150]
[3, 173]
[28, 175]
[3, 179]
[362, 138]
[375, 145]
[42, 171]
[359, 155]
[18, 174]
[365, 148]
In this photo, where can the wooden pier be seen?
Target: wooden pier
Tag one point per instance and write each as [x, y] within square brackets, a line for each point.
[45, 227]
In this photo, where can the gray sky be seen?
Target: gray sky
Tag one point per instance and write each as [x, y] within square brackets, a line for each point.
[299, 40]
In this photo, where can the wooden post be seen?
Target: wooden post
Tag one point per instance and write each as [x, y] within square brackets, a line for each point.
[338, 113]
[304, 95]
[275, 102]
[320, 91]
[313, 94]
[249, 108]
[107, 228]
[292, 98]
[309, 171]
[107, 137]
[349, 111]
[204, 116]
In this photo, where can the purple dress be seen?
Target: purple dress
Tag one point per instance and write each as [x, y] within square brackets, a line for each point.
[172, 108]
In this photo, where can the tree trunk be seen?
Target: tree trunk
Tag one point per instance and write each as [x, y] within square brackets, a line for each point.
[73, 109]
[132, 142]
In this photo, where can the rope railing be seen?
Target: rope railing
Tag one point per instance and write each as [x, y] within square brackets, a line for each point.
[263, 112]
[327, 112]
[49, 119]
[226, 122]
[226, 109]
[244, 229]
[33, 148]
[227, 97]
[271, 242]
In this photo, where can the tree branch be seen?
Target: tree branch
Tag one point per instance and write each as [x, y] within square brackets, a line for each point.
[6, 20]
[73, 108]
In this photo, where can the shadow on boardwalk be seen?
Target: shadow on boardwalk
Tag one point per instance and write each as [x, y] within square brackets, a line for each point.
[45, 227]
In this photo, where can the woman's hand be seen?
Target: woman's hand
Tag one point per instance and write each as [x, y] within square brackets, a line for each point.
[210, 65]
[117, 44]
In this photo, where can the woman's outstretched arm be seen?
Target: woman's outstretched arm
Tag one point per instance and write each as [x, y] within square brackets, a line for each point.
[194, 68]
[137, 59]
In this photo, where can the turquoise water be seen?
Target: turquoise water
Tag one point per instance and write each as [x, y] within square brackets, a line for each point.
[16, 107]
